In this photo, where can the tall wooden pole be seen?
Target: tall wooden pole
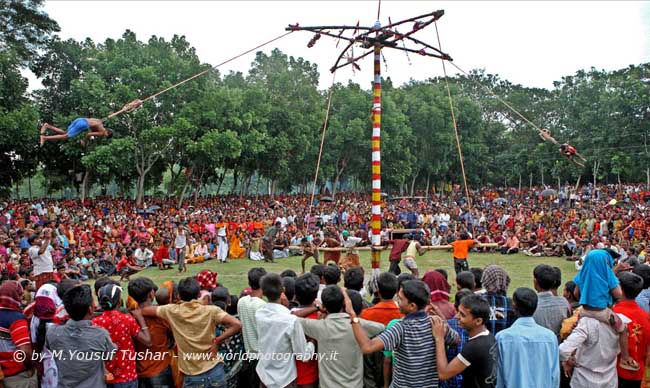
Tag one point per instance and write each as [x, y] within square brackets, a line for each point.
[376, 161]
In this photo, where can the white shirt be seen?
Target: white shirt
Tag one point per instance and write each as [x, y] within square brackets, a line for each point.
[143, 256]
[279, 334]
[352, 242]
[283, 221]
[43, 263]
[246, 308]
[180, 241]
[597, 347]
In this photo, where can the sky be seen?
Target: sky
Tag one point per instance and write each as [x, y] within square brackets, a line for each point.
[526, 42]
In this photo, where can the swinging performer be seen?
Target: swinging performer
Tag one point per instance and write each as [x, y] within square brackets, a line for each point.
[570, 152]
[95, 127]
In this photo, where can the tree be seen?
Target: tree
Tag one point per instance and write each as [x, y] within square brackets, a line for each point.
[18, 126]
[25, 28]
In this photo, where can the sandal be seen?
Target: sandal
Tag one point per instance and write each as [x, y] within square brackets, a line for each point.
[629, 364]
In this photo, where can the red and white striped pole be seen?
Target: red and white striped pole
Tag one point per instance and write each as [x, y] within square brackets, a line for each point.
[376, 162]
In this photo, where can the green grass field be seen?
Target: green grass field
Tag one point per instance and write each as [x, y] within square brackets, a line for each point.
[233, 273]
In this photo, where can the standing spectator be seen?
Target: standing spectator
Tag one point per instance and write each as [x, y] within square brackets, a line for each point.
[643, 299]
[123, 328]
[452, 352]
[78, 334]
[16, 339]
[551, 309]
[439, 293]
[278, 333]
[496, 281]
[306, 288]
[41, 257]
[477, 360]
[411, 339]
[152, 373]
[383, 312]
[246, 308]
[526, 344]
[180, 246]
[638, 329]
[343, 364]
[194, 325]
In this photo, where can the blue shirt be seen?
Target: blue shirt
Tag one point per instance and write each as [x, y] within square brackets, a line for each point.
[24, 244]
[528, 356]
[456, 381]
[643, 300]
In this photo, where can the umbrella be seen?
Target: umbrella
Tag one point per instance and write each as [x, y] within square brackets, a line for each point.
[327, 199]
[502, 201]
[549, 193]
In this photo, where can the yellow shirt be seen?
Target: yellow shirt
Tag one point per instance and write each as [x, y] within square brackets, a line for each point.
[193, 325]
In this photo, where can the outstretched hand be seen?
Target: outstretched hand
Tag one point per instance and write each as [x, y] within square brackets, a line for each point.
[131, 106]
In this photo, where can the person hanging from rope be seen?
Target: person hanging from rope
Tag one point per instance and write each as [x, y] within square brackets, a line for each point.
[570, 152]
[95, 127]
[545, 134]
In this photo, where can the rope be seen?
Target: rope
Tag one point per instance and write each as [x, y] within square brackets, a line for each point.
[127, 108]
[453, 119]
[498, 98]
[322, 141]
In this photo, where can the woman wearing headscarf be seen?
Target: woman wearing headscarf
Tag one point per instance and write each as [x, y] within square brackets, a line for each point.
[495, 280]
[16, 339]
[439, 289]
[123, 328]
[47, 310]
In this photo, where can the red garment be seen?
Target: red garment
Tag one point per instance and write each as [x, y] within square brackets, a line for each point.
[122, 328]
[13, 326]
[98, 236]
[399, 246]
[382, 312]
[438, 286]
[122, 263]
[638, 337]
[161, 253]
[307, 370]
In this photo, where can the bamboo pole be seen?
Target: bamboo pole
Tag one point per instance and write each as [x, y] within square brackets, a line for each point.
[384, 247]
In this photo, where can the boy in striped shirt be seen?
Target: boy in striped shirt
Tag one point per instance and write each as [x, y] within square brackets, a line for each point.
[411, 339]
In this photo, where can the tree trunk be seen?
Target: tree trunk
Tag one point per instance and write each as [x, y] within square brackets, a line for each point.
[426, 194]
[182, 197]
[257, 184]
[336, 181]
[235, 178]
[647, 177]
[220, 180]
[578, 182]
[542, 170]
[413, 182]
[140, 188]
[29, 182]
[531, 181]
[519, 184]
[84, 186]
[618, 176]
